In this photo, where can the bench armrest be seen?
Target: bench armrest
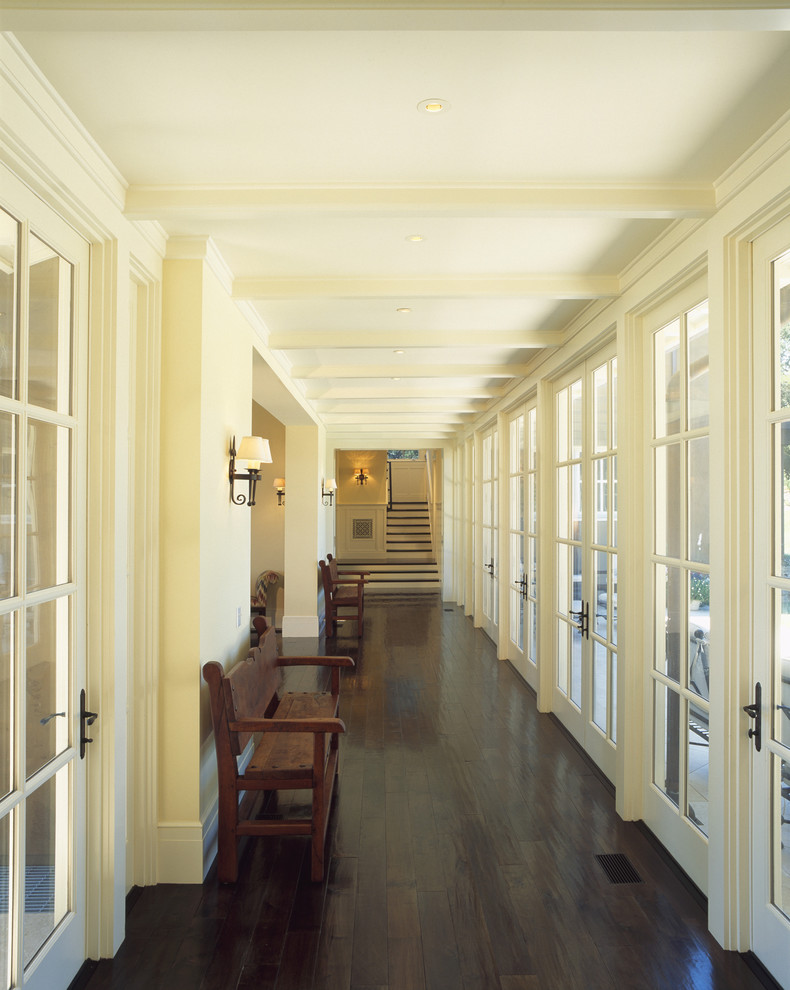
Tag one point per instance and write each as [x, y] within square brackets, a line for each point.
[340, 574]
[340, 582]
[315, 662]
[287, 725]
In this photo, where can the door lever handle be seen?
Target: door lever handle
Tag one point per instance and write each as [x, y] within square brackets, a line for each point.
[86, 718]
[755, 712]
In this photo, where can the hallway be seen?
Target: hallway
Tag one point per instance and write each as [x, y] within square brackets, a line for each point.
[463, 849]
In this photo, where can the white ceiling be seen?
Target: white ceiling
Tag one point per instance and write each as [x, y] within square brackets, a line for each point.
[293, 139]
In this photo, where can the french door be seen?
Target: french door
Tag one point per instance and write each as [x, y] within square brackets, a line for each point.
[43, 283]
[585, 551]
[677, 703]
[523, 539]
[489, 469]
[771, 762]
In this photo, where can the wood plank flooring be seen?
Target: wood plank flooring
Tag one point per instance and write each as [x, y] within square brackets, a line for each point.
[463, 844]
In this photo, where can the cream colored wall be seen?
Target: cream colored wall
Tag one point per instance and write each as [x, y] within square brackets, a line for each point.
[207, 398]
[267, 550]
[348, 463]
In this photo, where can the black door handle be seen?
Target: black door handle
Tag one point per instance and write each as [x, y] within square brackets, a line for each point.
[755, 711]
[86, 718]
[584, 618]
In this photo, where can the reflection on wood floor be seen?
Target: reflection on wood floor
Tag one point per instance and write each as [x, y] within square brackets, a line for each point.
[463, 852]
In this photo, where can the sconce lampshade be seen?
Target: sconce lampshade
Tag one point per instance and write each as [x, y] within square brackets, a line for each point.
[331, 485]
[279, 483]
[254, 450]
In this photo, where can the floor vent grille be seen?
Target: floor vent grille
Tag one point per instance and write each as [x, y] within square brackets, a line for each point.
[618, 868]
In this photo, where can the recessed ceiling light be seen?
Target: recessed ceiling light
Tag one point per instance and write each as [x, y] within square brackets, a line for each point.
[433, 106]
[398, 352]
[415, 238]
[395, 379]
[403, 309]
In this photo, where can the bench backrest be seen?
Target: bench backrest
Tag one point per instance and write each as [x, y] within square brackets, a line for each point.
[326, 577]
[250, 690]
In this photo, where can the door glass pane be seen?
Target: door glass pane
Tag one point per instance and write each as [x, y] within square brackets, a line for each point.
[613, 609]
[666, 749]
[562, 425]
[667, 509]
[533, 632]
[5, 899]
[562, 655]
[517, 619]
[670, 599]
[563, 512]
[601, 600]
[49, 373]
[600, 410]
[516, 558]
[600, 684]
[576, 501]
[614, 697]
[576, 666]
[667, 381]
[699, 634]
[699, 489]
[9, 340]
[6, 723]
[781, 835]
[8, 486]
[614, 403]
[698, 366]
[600, 468]
[613, 463]
[517, 445]
[563, 579]
[48, 505]
[46, 861]
[782, 456]
[781, 269]
[781, 730]
[576, 420]
[533, 503]
[517, 503]
[532, 567]
[47, 635]
[532, 417]
[698, 763]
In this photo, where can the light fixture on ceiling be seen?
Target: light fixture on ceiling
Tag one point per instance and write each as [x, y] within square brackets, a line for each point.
[361, 477]
[328, 490]
[255, 451]
[398, 352]
[403, 309]
[279, 487]
[434, 105]
[415, 238]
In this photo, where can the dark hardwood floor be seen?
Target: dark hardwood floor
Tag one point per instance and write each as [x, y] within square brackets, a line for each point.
[463, 845]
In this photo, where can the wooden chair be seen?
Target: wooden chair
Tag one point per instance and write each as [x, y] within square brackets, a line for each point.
[342, 591]
[297, 747]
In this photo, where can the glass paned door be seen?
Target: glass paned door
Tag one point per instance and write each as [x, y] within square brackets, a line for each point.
[676, 804]
[585, 547]
[43, 284]
[490, 532]
[523, 524]
[771, 765]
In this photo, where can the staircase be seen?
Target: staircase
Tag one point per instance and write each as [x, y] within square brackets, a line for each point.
[410, 567]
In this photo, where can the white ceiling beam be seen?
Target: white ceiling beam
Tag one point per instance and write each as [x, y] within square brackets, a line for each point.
[642, 201]
[413, 371]
[317, 391]
[512, 287]
[318, 339]
[379, 419]
[429, 404]
[380, 15]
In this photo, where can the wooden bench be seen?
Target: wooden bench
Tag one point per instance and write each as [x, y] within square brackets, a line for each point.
[297, 748]
[344, 591]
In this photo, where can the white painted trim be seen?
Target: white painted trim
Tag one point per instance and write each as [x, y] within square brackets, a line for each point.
[300, 626]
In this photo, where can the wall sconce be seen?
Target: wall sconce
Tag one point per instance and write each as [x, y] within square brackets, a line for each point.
[329, 491]
[279, 487]
[255, 451]
[362, 477]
